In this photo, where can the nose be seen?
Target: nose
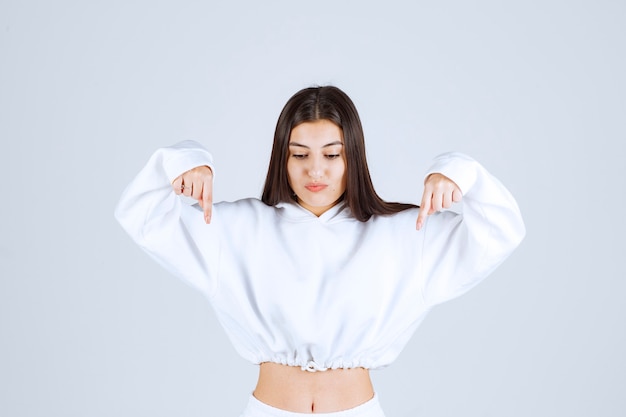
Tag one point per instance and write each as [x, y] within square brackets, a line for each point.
[316, 170]
[315, 174]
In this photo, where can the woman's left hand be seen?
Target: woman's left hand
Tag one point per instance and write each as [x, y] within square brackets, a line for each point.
[439, 193]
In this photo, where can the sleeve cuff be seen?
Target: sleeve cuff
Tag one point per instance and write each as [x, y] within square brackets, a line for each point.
[459, 167]
[184, 156]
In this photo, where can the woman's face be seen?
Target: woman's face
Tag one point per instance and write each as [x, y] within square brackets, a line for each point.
[316, 165]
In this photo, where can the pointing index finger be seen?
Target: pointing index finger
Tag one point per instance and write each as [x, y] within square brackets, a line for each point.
[424, 209]
[207, 199]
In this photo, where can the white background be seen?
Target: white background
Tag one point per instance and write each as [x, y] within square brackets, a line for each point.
[535, 90]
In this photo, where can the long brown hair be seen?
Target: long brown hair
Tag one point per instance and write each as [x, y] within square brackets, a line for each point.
[326, 103]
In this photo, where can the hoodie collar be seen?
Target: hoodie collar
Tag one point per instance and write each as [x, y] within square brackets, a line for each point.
[295, 212]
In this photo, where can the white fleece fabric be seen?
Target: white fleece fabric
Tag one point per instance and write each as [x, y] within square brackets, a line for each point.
[320, 292]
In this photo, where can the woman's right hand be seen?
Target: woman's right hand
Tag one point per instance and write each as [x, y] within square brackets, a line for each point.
[198, 184]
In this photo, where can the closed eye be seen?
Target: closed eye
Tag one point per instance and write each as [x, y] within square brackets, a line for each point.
[298, 156]
[333, 156]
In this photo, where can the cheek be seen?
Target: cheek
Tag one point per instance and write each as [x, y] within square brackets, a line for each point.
[344, 170]
[290, 173]
[344, 176]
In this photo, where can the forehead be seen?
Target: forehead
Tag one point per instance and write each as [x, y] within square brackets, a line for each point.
[319, 132]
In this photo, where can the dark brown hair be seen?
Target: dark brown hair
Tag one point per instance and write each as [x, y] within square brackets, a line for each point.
[326, 103]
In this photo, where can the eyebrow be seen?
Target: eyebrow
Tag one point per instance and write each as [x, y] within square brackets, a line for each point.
[337, 142]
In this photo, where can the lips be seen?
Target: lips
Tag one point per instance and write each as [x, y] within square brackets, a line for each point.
[315, 187]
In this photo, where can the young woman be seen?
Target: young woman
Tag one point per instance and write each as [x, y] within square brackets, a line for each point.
[320, 280]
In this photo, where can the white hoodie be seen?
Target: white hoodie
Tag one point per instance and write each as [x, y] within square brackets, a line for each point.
[320, 292]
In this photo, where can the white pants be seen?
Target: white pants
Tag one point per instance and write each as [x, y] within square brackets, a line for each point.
[256, 408]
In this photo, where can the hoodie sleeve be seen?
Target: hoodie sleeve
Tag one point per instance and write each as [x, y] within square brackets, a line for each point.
[171, 231]
[459, 250]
